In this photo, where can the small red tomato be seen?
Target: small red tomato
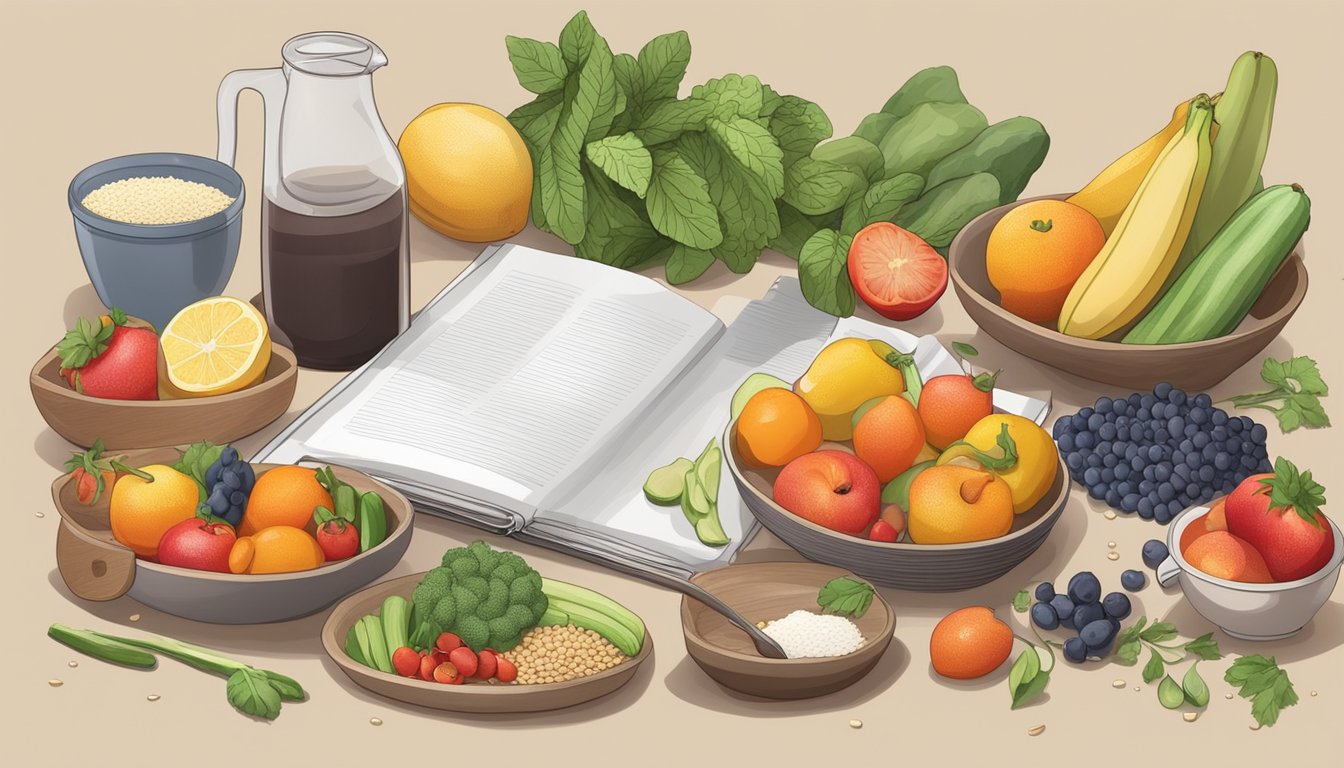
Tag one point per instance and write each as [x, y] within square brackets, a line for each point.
[447, 674]
[338, 539]
[406, 661]
[487, 663]
[895, 271]
[464, 660]
[506, 672]
[427, 665]
[883, 531]
[448, 642]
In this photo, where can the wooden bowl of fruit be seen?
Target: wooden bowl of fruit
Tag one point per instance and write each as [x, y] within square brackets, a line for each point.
[1195, 365]
[125, 396]
[252, 552]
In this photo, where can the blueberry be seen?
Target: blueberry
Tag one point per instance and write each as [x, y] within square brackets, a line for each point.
[1234, 426]
[1116, 605]
[1190, 430]
[1113, 498]
[1158, 411]
[1162, 389]
[1078, 422]
[1138, 462]
[1206, 474]
[1084, 587]
[1259, 434]
[1161, 436]
[1084, 440]
[1063, 607]
[1103, 447]
[1095, 421]
[1092, 476]
[1121, 449]
[1150, 473]
[1075, 650]
[1058, 428]
[1092, 459]
[1130, 502]
[1133, 581]
[1107, 475]
[212, 474]
[1086, 614]
[1162, 473]
[1107, 432]
[1147, 487]
[1135, 432]
[1043, 616]
[228, 455]
[1045, 592]
[1203, 401]
[1125, 487]
[1122, 471]
[1102, 651]
[1065, 442]
[1145, 508]
[1209, 452]
[1165, 492]
[1200, 440]
[1097, 491]
[1104, 404]
[1162, 514]
[1199, 416]
[1086, 411]
[1180, 470]
[1144, 413]
[231, 479]
[1176, 397]
[1219, 434]
[1249, 463]
[1154, 552]
[1192, 460]
[218, 501]
[1096, 634]
[1109, 461]
[1178, 483]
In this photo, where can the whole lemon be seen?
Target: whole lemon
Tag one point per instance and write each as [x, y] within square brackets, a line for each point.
[468, 172]
[1037, 457]
[141, 511]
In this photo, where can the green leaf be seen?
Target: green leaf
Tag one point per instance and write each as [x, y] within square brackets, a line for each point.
[1127, 653]
[1196, 690]
[798, 125]
[288, 688]
[618, 233]
[251, 692]
[1169, 693]
[536, 120]
[195, 460]
[1246, 667]
[736, 95]
[853, 215]
[1291, 489]
[817, 186]
[561, 180]
[1022, 601]
[885, 199]
[823, 275]
[770, 101]
[539, 66]
[624, 159]
[679, 205]
[1303, 370]
[1027, 693]
[795, 228]
[1309, 410]
[1274, 373]
[1267, 705]
[661, 67]
[1154, 668]
[1205, 647]
[1159, 632]
[577, 39]
[686, 264]
[964, 349]
[846, 595]
[1025, 669]
[670, 119]
[747, 215]
[753, 148]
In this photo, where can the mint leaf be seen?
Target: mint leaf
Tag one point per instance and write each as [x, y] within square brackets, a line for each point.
[670, 119]
[577, 39]
[754, 149]
[817, 186]
[1291, 489]
[1205, 647]
[561, 181]
[798, 125]
[624, 159]
[617, 233]
[1022, 601]
[823, 275]
[195, 460]
[686, 264]
[679, 204]
[795, 228]
[846, 595]
[733, 95]
[536, 120]
[1026, 680]
[661, 67]
[1154, 668]
[539, 66]
[885, 199]
[1031, 690]
[251, 692]
[770, 100]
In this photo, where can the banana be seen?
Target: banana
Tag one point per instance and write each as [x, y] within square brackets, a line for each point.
[1127, 274]
[1243, 117]
[1107, 195]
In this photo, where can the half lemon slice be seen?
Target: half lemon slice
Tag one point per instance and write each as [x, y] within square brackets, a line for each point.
[215, 346]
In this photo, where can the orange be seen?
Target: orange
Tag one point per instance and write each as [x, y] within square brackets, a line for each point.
[952, 504]
[278, 549]
[1224, 556]
[140, 512]
[1036, 253]
[284, 496]
[888, 436]
[1213, 520]
[951, 404]
[969, 643]
[777, 426]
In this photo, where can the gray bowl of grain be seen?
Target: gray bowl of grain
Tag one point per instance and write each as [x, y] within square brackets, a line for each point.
[157, 231]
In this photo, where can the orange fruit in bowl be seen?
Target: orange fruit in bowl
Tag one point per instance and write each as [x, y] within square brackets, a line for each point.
[278, 549]
[1037, 252]
[775, 427]
[140, 512]
[1225, 556]
[952, 504]
[888, 436]
[284, 496]
[969, 643]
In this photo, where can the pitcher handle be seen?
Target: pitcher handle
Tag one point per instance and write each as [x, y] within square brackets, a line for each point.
[1167, 572]
[271, 84]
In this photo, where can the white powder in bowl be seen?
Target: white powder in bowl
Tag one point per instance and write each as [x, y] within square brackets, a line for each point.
[807, 635]
[156, 200]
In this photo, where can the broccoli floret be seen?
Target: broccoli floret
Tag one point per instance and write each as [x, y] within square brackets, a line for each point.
[488, 598]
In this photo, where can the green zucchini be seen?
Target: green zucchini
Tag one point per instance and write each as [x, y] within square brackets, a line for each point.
[1221, 285]
[102, 648]
[371, 521]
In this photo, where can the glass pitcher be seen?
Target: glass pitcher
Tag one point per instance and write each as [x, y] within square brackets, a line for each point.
[335, 256]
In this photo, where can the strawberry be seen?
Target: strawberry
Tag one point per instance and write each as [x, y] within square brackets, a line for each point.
[1278, 514]
[113, 360]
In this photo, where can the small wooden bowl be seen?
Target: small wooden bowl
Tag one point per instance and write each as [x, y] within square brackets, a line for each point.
[126, 424]
[765, 592]
[95, 566]
[1193, 366]
[905, 565]
[470, 697]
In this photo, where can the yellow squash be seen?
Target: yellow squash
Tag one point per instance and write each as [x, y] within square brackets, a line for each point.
[842, 377]
[1126, 276]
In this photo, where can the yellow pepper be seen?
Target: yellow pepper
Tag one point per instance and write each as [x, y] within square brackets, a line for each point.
[847, 374]
[1032, 463]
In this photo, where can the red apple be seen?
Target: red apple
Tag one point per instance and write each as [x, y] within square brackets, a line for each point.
[833, 489]
[1288, 531]
[199, 543]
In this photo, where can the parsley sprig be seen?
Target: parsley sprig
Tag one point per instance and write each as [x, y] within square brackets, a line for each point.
[1157, 637]
[1267, 686]
[1295, 394]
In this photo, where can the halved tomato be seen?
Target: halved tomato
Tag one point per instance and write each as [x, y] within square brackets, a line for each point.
[895, 272]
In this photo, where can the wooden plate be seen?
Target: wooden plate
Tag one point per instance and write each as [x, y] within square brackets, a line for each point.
[125, 424]
[1193, 366]
[95, 566]
[768, 591]
[478, 697]
[917, 567]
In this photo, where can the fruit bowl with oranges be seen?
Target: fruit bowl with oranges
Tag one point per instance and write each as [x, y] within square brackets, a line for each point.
[202, 534]
[911, 477]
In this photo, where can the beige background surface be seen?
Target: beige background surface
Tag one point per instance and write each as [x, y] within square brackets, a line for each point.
[90, 80]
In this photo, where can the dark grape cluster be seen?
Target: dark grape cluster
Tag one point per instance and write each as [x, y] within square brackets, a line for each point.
[230, 480]
[1094, 619]
[1158, 453]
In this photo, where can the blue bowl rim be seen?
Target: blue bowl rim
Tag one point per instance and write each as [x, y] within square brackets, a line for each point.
[157, 231]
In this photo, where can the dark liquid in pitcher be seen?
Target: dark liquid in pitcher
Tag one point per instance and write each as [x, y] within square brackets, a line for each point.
[335, 282]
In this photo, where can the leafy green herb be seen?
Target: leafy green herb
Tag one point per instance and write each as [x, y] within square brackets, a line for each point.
[539, 66]
[1022, 601]
[251, 693]
[624, 159]
[1154, 668]
[819, 186]
[1131, 641]
[964, 350]
[1196, 690]
[1205, 647]
[1294, 397]
[1290, 489]
[1169, 693]
[195, 460]
[1026, 680]
[823, 273]
[845, 595]
[1265, 684]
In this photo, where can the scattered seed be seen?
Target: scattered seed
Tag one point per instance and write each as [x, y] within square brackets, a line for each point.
[1191, 717]
[1109, 514]
[73, 664]
[855, 724]
[1255, 726]
[152, 697]
[375, 721]
[135, 617]
[1110, 544]
[1117, 683]
[760, 625]
[1313, 693]
[1112, 555]
[1228, 696]
[1137, 688]
[55, 682]
[1036, 730]
[39, 514]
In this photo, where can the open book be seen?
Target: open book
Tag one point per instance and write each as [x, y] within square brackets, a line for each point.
[535, 393]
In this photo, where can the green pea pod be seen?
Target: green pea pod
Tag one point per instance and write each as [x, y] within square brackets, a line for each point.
[372, 521]
[345, 502]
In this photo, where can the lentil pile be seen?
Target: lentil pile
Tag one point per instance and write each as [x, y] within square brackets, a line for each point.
[559, 653]
[156, 200]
